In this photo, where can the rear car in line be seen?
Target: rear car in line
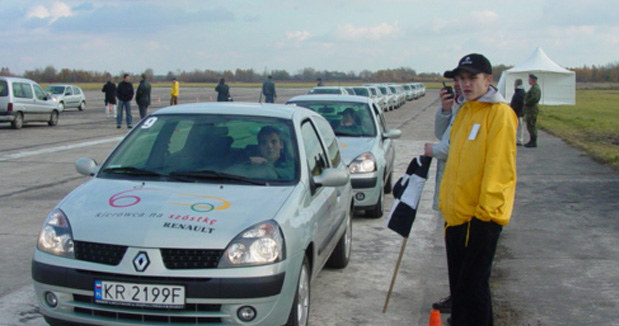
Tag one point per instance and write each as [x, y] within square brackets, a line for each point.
[67, 96]
[207, 213]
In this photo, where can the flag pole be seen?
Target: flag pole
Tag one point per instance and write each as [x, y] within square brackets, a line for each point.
[395, 273]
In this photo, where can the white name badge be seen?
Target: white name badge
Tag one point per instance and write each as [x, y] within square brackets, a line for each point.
[474, 131]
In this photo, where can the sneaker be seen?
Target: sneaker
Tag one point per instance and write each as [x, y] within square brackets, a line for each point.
[443, 305]
[129, 127]
[530, 145]
[117, 127]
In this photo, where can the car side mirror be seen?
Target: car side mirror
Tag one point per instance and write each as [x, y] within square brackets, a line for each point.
[392, 134]
[86, 166]
[331, 178]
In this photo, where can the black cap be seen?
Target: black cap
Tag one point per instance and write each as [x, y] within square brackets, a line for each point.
[473, 63]
[533, 76]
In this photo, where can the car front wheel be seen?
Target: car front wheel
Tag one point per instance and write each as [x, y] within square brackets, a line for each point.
[299, 314]
[376, 211]
[53, 118]
[61, 106]
[82, 106]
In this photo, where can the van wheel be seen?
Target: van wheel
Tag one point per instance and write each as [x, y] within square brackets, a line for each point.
[82, 106]
[299, 313]
[18, 122]
[53, 118]
[341, 254]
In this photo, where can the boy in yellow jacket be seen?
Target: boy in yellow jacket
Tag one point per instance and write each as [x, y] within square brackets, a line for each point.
[175, 92]
[477, 189]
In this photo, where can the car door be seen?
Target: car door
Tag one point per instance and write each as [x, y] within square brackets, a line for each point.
[69, 98]
[323, 199]
[43, 103]
[24, 99]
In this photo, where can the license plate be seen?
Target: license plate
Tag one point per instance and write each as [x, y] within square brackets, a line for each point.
[140, 295]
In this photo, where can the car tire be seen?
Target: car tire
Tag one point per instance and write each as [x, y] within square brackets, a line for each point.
[299, 313]
[53, 118]
[60, 107]
[341, 254]
[18, 122]
[82, 106]
[377, 210]
[388, 184]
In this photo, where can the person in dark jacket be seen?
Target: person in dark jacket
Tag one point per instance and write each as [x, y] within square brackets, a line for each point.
[124, 93]
[142, 96]
[223, 91]
[517, 104]
[110, 98]
[268, 89]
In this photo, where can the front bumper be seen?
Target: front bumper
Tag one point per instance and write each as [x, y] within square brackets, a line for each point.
[209, 300]
[367, 190]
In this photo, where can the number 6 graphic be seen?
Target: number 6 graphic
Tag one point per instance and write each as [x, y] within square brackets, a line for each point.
[115, 198]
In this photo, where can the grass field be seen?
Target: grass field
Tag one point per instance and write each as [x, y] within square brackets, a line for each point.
[591, 125]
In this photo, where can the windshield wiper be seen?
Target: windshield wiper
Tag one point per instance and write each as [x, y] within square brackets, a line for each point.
[132, 170]
[215, 175]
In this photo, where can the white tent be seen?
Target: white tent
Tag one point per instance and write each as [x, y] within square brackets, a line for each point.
[558, 84]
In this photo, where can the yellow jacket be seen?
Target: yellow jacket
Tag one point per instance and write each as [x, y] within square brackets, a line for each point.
[480, 173]
[175, 89]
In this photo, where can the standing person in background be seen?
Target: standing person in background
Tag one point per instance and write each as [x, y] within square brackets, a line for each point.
[517, 103]
[142, 96]
[110, 98]
[124, 92]
[443, 120]
[477, 190]
[223, 91]
[268, 89]
[319, 82]
[175, 92]
[531, 99]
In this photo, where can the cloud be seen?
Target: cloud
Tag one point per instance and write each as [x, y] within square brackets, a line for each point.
[53, 13]
[485, 17]
[298, 36]
[352, 33]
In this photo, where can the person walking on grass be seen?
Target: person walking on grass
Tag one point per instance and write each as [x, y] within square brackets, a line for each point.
[476, 195]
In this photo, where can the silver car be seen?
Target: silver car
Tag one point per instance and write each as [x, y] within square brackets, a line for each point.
[216, 213]
[335, 90]
[67, 96]
[22, 100]
[366, 144]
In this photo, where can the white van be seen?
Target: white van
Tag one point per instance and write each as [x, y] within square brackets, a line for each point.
[22, 100]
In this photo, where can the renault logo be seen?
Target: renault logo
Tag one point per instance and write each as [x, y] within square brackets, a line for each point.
[140, 262]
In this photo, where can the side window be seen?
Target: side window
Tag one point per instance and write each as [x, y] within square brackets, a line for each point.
[4, 88]
[76, 91]
[381, 123]
[22, 90]
[68, 91]
[330, 141]
[38, 92]
[315, 155]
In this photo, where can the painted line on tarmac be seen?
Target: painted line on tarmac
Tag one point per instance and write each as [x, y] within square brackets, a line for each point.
[57, 149]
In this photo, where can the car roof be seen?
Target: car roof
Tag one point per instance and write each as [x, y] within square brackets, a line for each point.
[8, 78]
[329, 97]
[237, 108]
[65, 85]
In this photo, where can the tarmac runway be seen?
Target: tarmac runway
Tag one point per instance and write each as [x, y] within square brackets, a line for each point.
[557, 262]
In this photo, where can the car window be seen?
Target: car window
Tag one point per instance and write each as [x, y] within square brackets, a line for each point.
[346, 118]
[76, 90]
[170, 145]
[330, 141]
[362, 91]
[68, 91]
[325, 91]
[55, 89]
[38, 92]
[4, 88]
[315, 155]
[22, 90]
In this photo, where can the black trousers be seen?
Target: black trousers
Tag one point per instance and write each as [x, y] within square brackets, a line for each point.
[469, 264]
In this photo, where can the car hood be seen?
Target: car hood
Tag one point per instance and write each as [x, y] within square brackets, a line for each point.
[351, 147]
[170, 215]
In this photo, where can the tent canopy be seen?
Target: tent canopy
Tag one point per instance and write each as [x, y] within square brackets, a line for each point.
[558, 84]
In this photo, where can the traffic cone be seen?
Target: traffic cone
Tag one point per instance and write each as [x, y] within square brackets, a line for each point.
[435, 318]
[210, 98]
[158, 100]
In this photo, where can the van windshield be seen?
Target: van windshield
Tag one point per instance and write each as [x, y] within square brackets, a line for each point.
[4, 89]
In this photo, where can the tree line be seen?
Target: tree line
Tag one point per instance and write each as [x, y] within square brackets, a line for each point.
[49, 74]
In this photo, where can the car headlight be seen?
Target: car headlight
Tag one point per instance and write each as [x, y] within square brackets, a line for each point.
[260, 244]
[56, 237]
[363, 163]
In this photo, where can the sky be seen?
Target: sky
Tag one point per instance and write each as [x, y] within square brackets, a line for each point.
[343, 35]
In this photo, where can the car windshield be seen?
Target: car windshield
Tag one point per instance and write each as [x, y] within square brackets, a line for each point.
[347, 118]
[325, 91]
[55, 89]
[207, 148]
[383, 90]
